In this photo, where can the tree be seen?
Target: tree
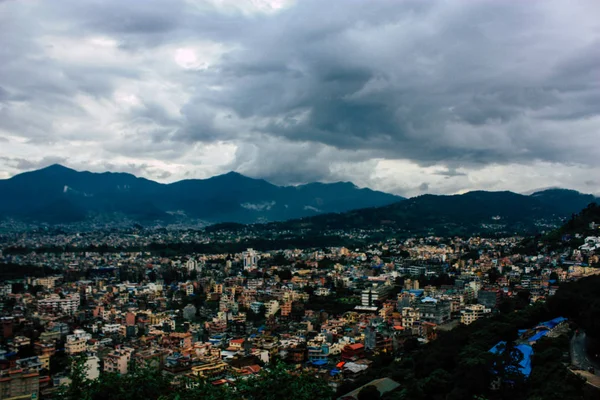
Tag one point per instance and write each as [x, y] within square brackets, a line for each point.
[78, 388]
[369, 392]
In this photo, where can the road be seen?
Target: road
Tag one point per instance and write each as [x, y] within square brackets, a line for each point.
[580, 359]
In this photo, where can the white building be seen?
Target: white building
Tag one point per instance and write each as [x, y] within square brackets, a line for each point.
[250, 258]
[55, 304]
[192, 265]
[111, 328]
[271, 307]
[92, 368]
[322, 291]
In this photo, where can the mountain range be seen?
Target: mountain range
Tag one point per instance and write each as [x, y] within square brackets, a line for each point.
[476, 212]
[60, 195]
[57, 194]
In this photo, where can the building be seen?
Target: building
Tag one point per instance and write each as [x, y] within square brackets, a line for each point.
[375, 295]
[48, 282]
[92, 368]
[472, 313]
[5, 289]
[19, 383]
[192, 265]
[489, 298]
[109, 329]
[54, 304]
[353, 352]
[210, 370]
[286, 308]
[376, 341]
[433, 310]
[250, 258]
[77, 342]
[410, 316]
[256, 306]
[271, 307]
[118, 360]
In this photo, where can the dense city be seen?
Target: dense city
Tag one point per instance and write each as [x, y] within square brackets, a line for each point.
[333, 313]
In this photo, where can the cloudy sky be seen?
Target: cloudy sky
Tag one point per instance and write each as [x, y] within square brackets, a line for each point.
[408, 97]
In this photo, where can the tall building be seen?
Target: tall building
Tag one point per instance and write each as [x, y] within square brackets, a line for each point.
[250, 258]
[192, 265]
[375, 295]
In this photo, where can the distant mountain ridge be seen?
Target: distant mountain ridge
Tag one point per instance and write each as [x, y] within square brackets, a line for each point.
[58, 194]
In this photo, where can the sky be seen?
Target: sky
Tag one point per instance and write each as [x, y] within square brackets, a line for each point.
[407, 97]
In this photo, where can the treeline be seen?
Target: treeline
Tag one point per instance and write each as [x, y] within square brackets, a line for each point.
[146, 384]
[10, 271]
[221, 247]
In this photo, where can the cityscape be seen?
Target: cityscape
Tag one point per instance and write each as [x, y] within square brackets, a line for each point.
[340, 314]
[299, 199]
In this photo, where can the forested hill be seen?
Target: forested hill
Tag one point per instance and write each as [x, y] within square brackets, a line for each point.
[470, 213]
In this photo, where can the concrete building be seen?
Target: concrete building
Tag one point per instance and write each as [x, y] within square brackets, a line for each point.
[374, 295]
[118, 360]
[271, 307]
[472, 313]
[54, 304]
[433, 310]
[250, 258]
[19, 384]
[77, 342]
[489, 298]
[92, 368]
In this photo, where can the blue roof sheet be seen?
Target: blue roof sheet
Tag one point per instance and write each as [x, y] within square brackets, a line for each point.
[553, 322]
[526, 350]
[537, 336]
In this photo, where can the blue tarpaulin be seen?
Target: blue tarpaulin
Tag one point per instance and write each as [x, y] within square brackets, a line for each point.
[537, 336]
[526, 350]
[553, 322]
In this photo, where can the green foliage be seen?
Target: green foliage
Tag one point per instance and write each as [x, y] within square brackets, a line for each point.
[150, 384]
[369, 392]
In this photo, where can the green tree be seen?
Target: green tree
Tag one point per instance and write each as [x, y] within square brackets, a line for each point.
[369, 392]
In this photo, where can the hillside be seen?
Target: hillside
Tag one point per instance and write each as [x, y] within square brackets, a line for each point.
[465, 214]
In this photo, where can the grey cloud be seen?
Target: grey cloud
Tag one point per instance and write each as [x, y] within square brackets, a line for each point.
[460, 85]
[22, 164]
[450, 173]
[428, 98]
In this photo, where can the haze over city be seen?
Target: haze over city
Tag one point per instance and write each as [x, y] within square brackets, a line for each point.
[407, 97]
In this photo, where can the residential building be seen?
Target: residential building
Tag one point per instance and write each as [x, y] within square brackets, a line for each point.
[472, 313]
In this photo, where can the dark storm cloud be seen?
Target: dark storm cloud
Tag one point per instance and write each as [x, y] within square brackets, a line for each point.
[458, 84]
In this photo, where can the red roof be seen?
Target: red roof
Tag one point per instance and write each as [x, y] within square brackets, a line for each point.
[356, 346]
